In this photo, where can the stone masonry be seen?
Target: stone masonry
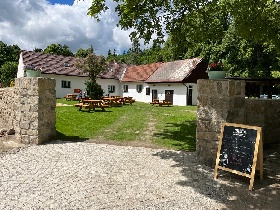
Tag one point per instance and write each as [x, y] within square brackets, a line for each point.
[224, 101]
[218, 101]
[29, 109]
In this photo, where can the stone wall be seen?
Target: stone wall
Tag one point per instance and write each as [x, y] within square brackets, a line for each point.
[266, 114]
[224, 101]
[218, 101]
[29, 108]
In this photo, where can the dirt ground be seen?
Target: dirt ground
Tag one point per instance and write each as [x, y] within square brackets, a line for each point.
[266, 193]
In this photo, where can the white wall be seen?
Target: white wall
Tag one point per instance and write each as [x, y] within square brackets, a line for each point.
[76, 83]
[20, 72]
[179, 97]
[105, 82]
[132, 92]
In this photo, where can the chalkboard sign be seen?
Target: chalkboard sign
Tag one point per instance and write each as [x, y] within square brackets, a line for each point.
[238, 150]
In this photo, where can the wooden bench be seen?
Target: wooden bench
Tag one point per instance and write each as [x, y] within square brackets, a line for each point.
[71, 97]
[91, 105]
[128, 100]
[155, 101]
[165, 103]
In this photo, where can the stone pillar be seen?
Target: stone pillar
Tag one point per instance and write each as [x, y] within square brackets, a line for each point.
[35, 112]
[218, 101]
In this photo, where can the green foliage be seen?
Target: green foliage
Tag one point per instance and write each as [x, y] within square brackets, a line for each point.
[8, 53]
[81, 53]
[58, 49]
[257, 21]
[243, 34]
[136, 56]
[94, 90]
[8, 73]
[38, 49]
[170, 127]
[92, 64]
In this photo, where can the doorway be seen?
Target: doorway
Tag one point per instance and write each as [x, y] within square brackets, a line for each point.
[169, 95]
[189, 95]
[154, 95]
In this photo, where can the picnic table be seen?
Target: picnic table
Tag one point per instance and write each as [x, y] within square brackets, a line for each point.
[155, 101]
[128, 100]
[92, 105]
[71, 97]
[161, 103]
[112, 101]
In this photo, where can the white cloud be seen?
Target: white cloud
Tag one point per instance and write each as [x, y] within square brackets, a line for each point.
[37, 23]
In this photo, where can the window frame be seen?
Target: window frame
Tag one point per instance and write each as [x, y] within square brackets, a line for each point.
[139, 88]
[65, 84]
[125, 88]
[111, 88]
[148, 91]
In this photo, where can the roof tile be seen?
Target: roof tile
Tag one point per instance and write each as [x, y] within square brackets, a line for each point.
[175, 71]
[55, 64]
[140, 73]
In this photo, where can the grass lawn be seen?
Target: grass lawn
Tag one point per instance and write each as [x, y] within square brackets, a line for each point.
[168, 127]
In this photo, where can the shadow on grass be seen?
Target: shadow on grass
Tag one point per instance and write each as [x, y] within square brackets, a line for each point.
[230, 189]
[60, 136]
[180, 135]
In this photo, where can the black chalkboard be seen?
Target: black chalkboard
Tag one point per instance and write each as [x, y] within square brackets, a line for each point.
[238, 150]
[238, 147]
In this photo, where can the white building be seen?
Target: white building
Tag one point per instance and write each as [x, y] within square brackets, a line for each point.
[175, 80]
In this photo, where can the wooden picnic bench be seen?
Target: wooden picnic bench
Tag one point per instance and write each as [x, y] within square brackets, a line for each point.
[128, 100]
[165, 103]
[155, 101]
[112, 101]
[161, 103]
[91, 105]
[71, 97]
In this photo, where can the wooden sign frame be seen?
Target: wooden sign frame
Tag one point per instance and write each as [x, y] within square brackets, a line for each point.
[257, 156]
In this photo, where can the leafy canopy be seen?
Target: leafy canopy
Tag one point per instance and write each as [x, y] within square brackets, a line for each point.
[93, 65]
[197, 20]
[58, 49]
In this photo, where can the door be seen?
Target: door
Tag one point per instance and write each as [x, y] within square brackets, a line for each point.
[189, 95]
[154, 94]
[169, 95]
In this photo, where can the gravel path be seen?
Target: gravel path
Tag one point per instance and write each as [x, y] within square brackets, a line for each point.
[98, 176]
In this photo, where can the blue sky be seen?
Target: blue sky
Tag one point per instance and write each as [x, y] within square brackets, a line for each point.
[69, 2]
[34, 24]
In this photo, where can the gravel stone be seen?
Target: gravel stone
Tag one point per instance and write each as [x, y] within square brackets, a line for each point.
[99, 176]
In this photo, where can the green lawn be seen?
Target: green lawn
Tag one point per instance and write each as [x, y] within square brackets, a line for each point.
[170, 127]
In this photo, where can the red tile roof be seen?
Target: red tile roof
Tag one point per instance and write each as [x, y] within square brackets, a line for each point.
[140, 73]
[175, 71]
[65, 65]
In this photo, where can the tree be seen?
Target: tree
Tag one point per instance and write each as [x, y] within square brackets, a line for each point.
[93, 65]
[8, 53]
[58, 49]
[8, 72]
[81, 53]
[259, 19]
[38, 49]
[201, 27]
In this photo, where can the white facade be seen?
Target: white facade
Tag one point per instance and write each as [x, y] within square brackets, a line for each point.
[180, 92]
[75, 83]
[112, 82]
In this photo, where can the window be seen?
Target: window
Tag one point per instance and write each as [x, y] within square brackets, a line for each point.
[125, 88]
[139, 88]
[65, 84]
[148, 90]
[111, 88]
